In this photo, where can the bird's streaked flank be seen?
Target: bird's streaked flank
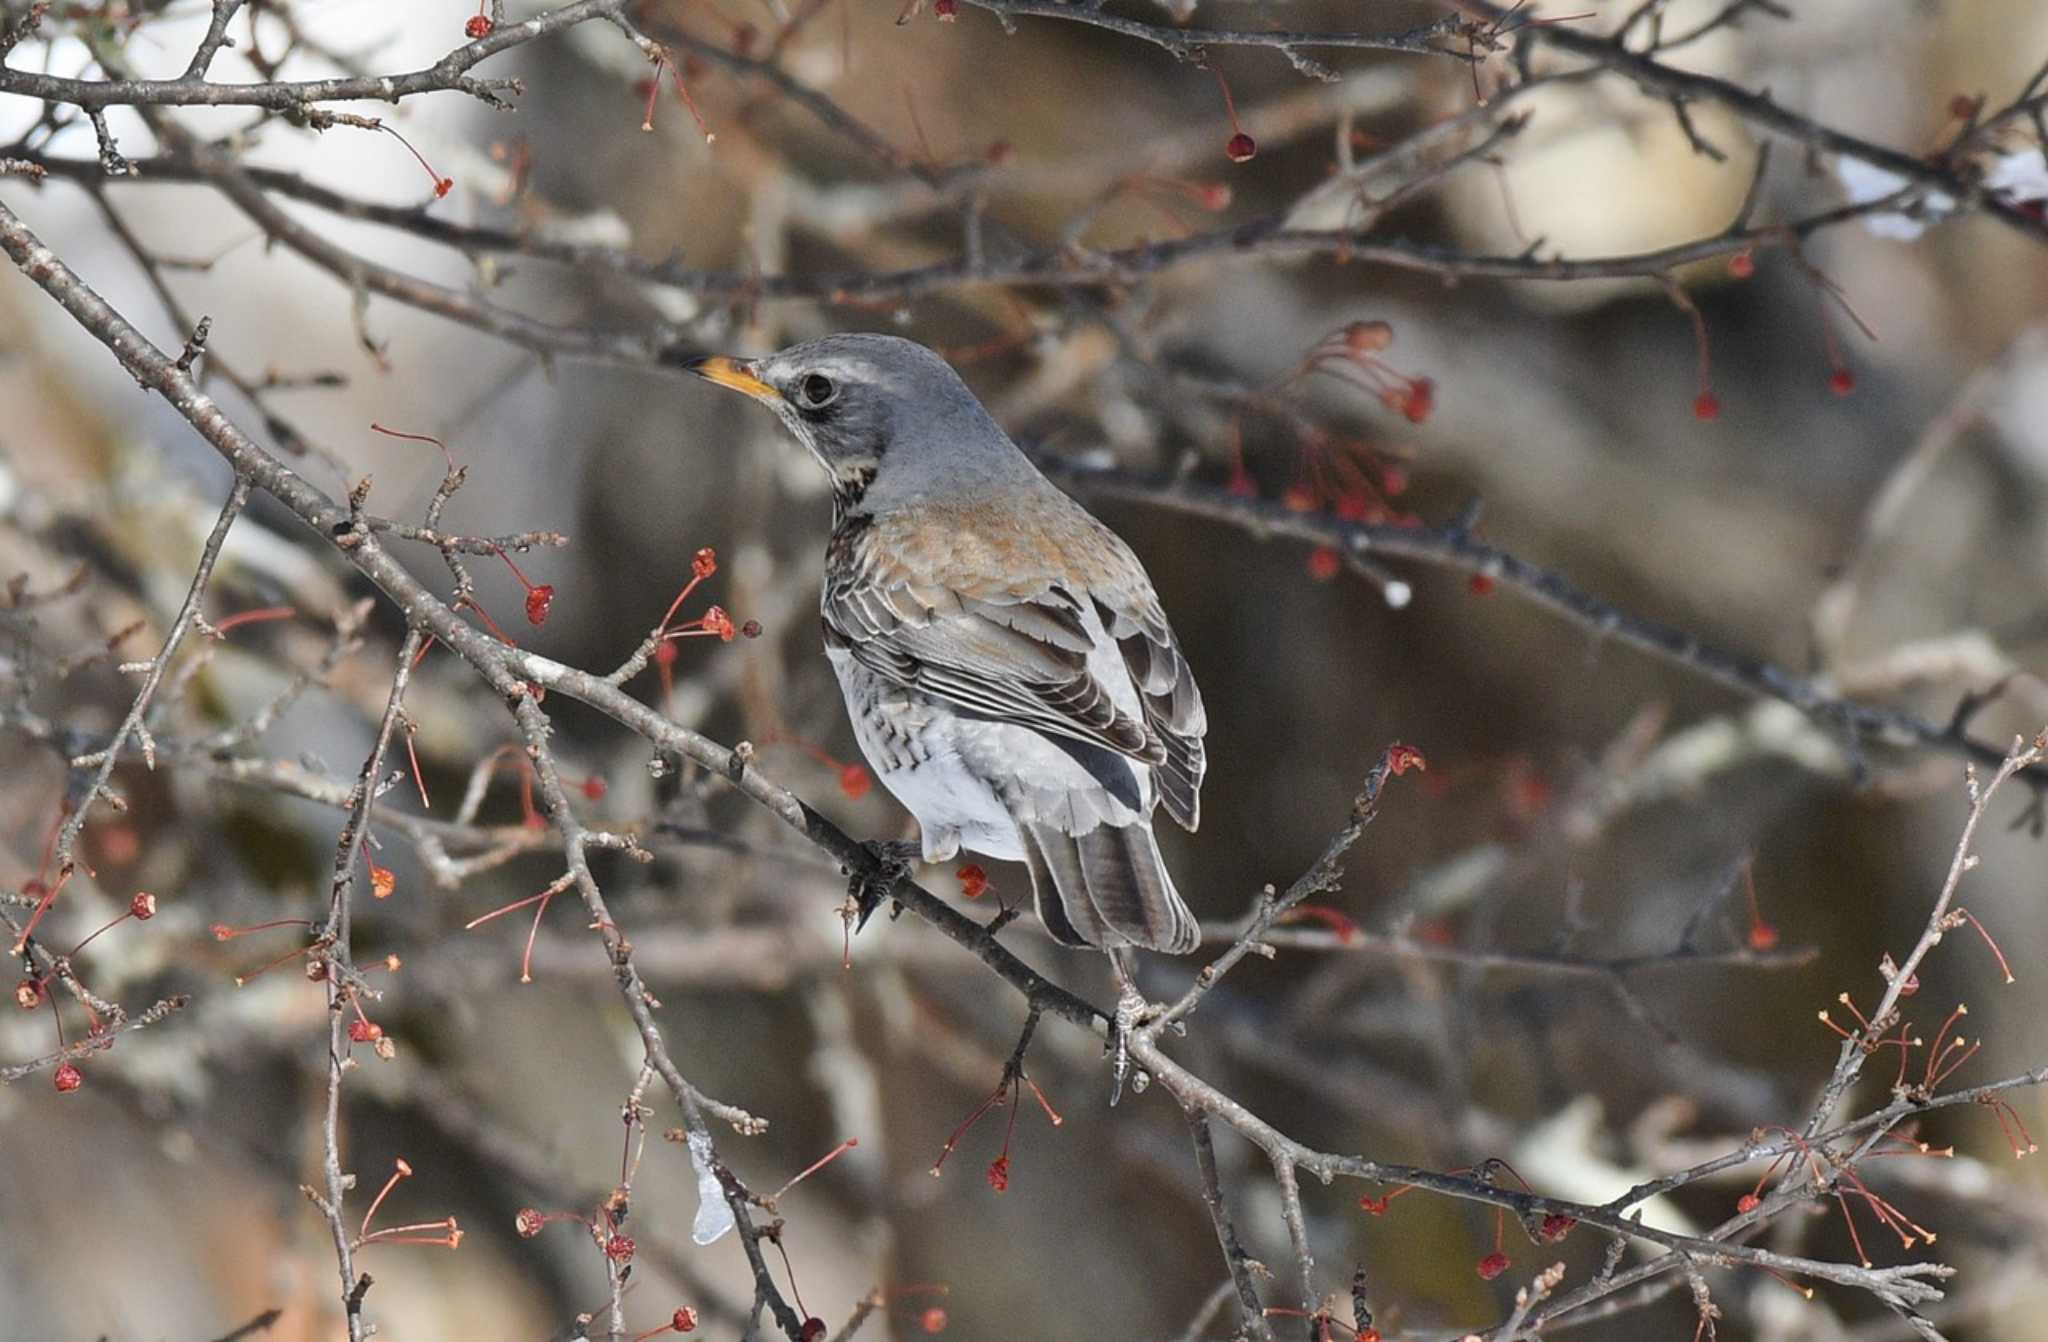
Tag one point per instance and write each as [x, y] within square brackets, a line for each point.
[1011, 677]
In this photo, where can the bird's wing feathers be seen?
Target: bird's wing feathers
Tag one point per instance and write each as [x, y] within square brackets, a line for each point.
[1029, 591]
[1173, 705]
[1023, 662]
[1012, 632]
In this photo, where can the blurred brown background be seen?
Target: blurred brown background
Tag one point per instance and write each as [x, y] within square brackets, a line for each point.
[1581, 798]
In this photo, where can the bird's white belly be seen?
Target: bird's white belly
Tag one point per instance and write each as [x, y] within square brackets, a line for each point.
[918, 755]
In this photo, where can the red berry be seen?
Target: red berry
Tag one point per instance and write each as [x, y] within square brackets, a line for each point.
[1555, 1227]
[1841, 382]
[383, 881]
[947, 10]
[973, 880]
[67, 1078]
[751, 629]
[528, 1222]
[1241, 148]
[365, 1032]
[538, 600]
[1418, 402]
[684, 1320]
[1299, 499]
[1706, 406]
[1743, 264]
[1748, 1203]
[1213, 196]
[704, 563]
[813, 1329]
[1400, 759]
[854, 780]
[1324, 563]
[479, 27]
[1492, 1265]
[142, 906]
[28, 994]
[932, 1320]
[1480, 584]
[619, 1248]
[999, 1174]
[1762, 937]
[594, 788]
[443, 187]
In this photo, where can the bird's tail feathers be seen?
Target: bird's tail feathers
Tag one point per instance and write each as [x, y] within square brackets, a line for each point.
[1107, 888]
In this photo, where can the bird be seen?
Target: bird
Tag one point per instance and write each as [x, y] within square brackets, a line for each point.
[1010, 674]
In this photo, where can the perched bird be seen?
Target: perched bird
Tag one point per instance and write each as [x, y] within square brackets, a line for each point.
[1010, 675]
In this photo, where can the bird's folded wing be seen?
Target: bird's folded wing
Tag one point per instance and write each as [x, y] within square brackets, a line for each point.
[1021, 660]
[1166, 687]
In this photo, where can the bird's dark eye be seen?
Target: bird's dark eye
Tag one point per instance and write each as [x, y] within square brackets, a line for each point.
[816, 391]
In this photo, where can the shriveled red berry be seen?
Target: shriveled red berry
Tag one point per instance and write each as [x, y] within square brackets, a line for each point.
[999, 1174]
[538, 601]
[1418, 402]
[1241, 148]
[142, 906]
[528, 1222]
[751, 629]
[1706, 406]
[67, 1078]
[28, 995]
[1400, 759]
[813, 1329]
[946, 10]
[479, 27]
[364, 1031]
[1748, 1203]
[973, 880]
[619, 1248]
[684, 1320]
[704, 563]
[1555, 1227]
[443, 187]
[1492, 1265]
[383, 881]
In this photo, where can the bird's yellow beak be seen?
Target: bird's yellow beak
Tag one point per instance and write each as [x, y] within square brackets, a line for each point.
[735, 373]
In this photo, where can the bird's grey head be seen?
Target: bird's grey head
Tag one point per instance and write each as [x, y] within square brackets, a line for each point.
[889, 420]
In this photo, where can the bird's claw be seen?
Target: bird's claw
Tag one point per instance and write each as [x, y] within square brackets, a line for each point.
[1132, 1012]
[889, 862]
